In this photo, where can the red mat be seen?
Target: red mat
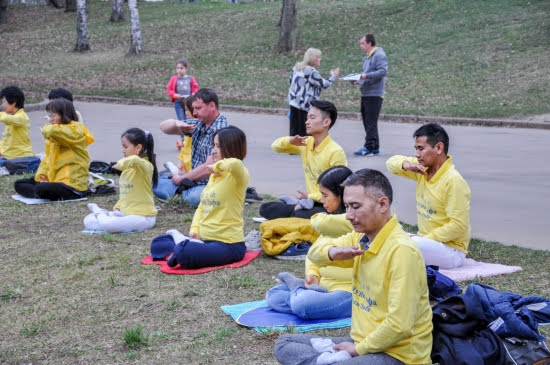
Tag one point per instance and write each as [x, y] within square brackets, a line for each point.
[178, 270]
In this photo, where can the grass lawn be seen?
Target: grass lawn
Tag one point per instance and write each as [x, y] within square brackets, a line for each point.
[68, 298]
[449, 58]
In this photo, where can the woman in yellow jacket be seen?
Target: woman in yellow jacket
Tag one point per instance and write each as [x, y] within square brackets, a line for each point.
[326, 292]
[217, 229]
[63, 172]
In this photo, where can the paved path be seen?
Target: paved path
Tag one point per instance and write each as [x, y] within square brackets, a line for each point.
[506, 168]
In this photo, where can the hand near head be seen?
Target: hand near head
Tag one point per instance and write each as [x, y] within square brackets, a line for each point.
[187, 128]
[344, 253]
[334, 72]
[300, 194]
[415, 167]
[311, 280]
[298, 140]
[346, 346]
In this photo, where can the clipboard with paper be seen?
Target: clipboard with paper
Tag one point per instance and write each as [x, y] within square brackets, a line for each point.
[351, 77]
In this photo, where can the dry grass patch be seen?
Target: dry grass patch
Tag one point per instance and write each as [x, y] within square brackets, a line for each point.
[473, 58]
[67, 297]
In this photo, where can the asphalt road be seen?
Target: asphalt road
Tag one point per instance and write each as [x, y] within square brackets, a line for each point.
[506, 168]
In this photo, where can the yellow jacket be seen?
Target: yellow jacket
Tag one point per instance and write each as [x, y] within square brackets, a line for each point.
[185, 153]
[314, 161]
[331, 277]
[136, 192]
[219, 216]
[15, 140]
[442, 203]
[278, 234]
[66, 158]
[391, 311]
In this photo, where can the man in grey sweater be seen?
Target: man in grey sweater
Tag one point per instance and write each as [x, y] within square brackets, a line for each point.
[372, 82]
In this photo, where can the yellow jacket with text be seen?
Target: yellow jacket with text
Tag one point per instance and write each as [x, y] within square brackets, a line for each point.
[66, 159]
[135, 189]
[442, 202]
[331, 277]
[391, 311]
[219, 216]
[314, 160]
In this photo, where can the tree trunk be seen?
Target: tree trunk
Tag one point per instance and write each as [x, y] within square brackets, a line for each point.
[289, 26]
[136, 46]
[3, 11]
[81, 30]
[118, 11]
[70, 6]
[55, 4]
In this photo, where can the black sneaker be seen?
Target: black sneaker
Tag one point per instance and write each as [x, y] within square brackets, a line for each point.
[252, 196]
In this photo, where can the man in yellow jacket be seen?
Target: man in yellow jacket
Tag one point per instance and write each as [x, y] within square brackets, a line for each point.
[442, 198]
[391, 320]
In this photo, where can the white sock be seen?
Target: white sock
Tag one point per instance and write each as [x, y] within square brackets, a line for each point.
[94, 208]
[328, 358]
[288, 199]
[322, 344]
[177, 235]
[307, 203]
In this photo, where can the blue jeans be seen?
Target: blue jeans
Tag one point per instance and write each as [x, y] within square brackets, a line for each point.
[309, 304]
[2, 161]
[166, 189]
[180, 111]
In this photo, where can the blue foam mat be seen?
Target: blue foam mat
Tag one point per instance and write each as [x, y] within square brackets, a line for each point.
[261, 318]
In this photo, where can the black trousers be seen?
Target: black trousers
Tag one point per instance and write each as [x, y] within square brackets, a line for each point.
[370, 110]
[298, 119]
[45, 190]
[274, 210]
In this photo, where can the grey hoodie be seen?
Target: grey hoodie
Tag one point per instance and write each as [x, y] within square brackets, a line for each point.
[376, 68]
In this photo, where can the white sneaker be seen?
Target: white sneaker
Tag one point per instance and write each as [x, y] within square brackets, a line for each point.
[4, 171]
[253, 241]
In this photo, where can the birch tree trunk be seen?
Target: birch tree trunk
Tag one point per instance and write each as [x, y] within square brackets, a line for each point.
[3, 11]
[81, 30]
[289, 29]
[70, 6]
[118, 11]
[136, 45]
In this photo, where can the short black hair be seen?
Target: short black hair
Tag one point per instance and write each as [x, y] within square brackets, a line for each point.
[207, 96]
[60, 93]
[184, 62]
[369, 38]
[434, 134]
[373, 181]
[13, 94]
[328, 110]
